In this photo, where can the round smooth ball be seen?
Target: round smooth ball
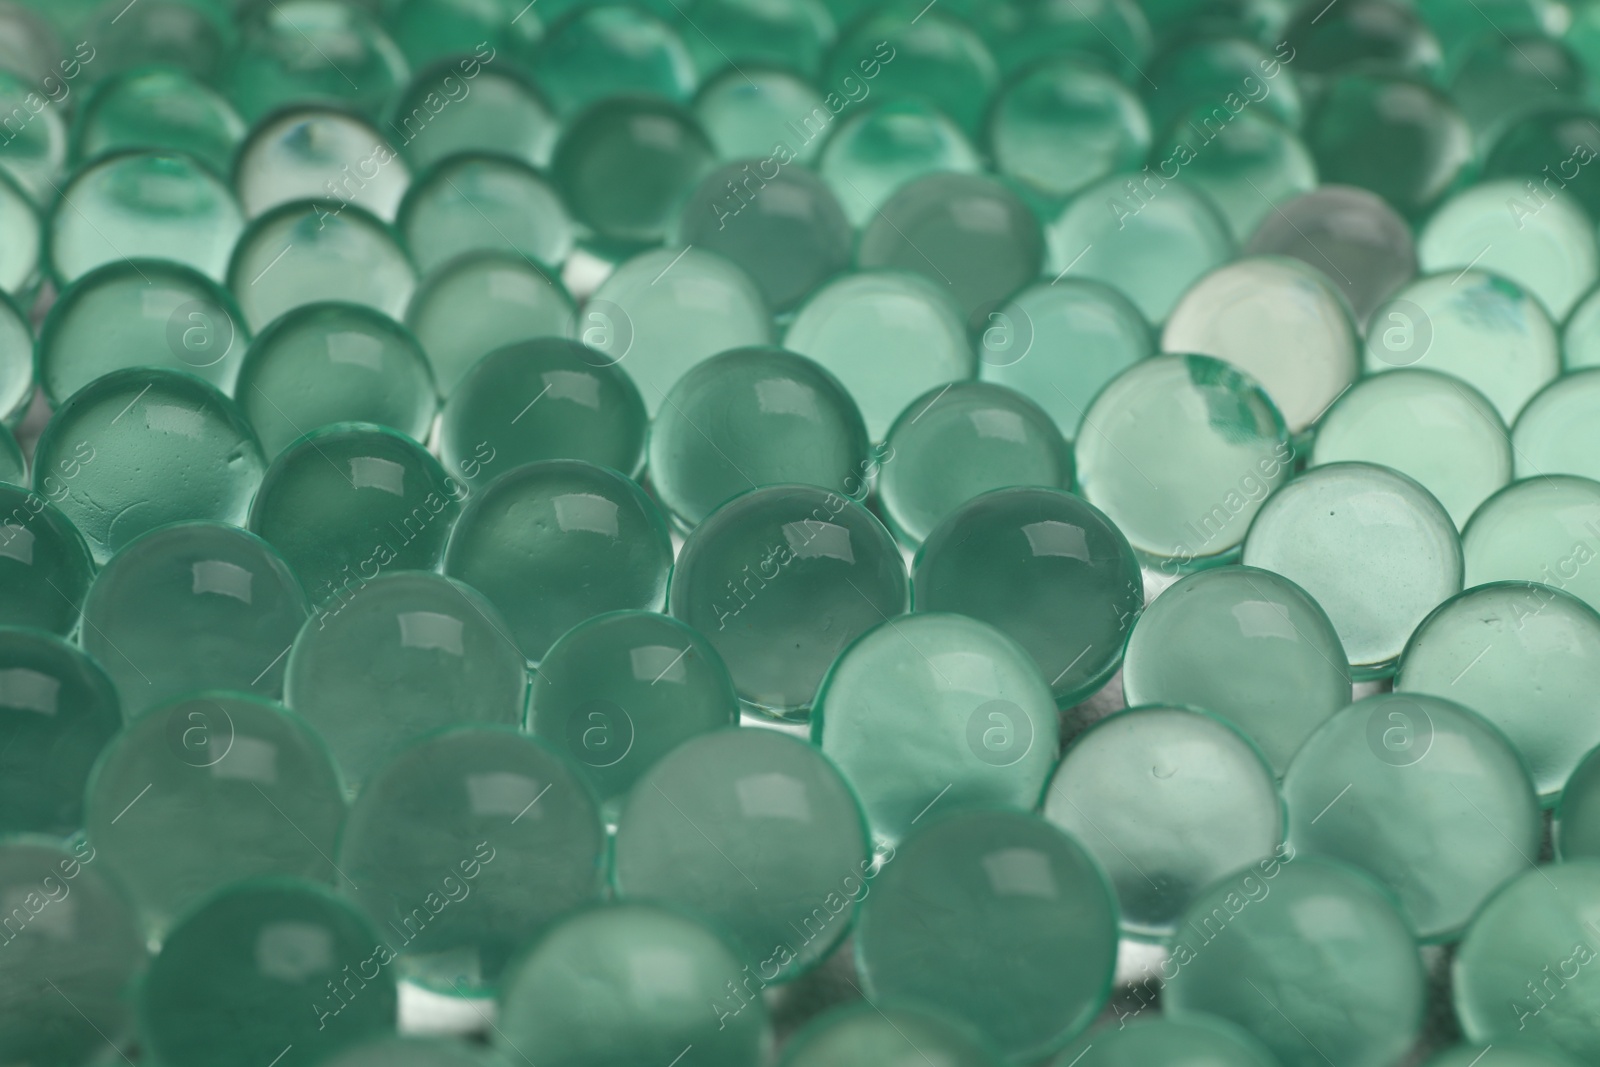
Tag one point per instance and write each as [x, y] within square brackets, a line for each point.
[1544, 529]
[45, 565]
[865, 1035]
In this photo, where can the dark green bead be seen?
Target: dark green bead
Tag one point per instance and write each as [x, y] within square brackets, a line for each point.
[467, 846]
[1460, 28]
[35, 154]
[935, 56]
[724, 34]
[470, 203]
[605, 50]
[158, 108]
[1046, 569]
[303, 153]
[1502, 79]
[45, 566]
[552, 544]
[285, 55]
[1577, 817]
[430, 30]
[1551, 147]
[1114, 33]
[462, 105]
[22, 254]
[271, 968]
[13, 464]
[351, 499]
[1213, 71]
[172, 33]
[880, 147]
[1244, 163]
[1388, 35]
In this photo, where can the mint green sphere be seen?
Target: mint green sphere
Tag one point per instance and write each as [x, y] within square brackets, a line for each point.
[554, 543]
[462, 104]
[1227, 70]
[865, 1035]
[16, 366]
[466, 846]
[204, 791]
[1192, 1040]
[421, 1051]
[1577, 814]
[286, 54]
[998, 920]
[935, 56]
[934, 712]
[13, 464]
[1243, 163]
[147, 447]
[223, 596]
[476, 202]
[793, 36]
[602, 50]
[436, 655]
[162, 108]
[878, 148]
[754, 417]
[781, 580]
[1063, 124]
[1511, 1054]
[309, 152]
[1047, 569]
[45, 565]
[271, 967]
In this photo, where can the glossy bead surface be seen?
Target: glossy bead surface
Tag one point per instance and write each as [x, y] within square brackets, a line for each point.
[786, 419]
[210, 789]
[1193, 1040]
[1243, 950]
[863, 1035]
[1579, 334]
[285, 54]
[941, 711]
[875, 151]
[13, 464]
[554, 543]
[1577, 816]
[45, 565]
[631, 983]
[20, 260]
[421, 1051]
[997, 919]
[470, 203]
[1063, 124]
[1553, 145]
[222, 595]
[478, 302]
[313, 251]
[1429, 426]
[326, 363]
[34, 156]
[459, 106]
[609, 50]
[958, 442]
[1373, 547]
[737, 32]
[1247, 645]
[158, 108]
[148, 447]
[888, 336]
[16, 368]
[252, 973]
[747, 114]
[437, 655]
[1486, 647]
[1225, 70]
[780, 580]
[350, 500]
[307, 153]
[465, 846]
[1521, 1054]
[1556, 433]
[1045, 568]
[142, 313]
[697, 831]
[1188, 493]
[936, 57]
[1244, 165]
[1543, 530]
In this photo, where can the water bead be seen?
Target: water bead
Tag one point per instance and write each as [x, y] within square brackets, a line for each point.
[441, 1051]
[286, 55]
[144, 448]
[460, 105]
[140, 313]
[748, 113]
[1243, 162]
[786, 419]
[1045, 568]
[877, 149]
[13, 464]
[935, 56]
[1555, 434]
[1144, 237]
[20, 257]
[625, 165]
[780, 580]
[1577, 815]
[137, 204]
[1245, 950]
[16, 367]
[1502, 79]
[1477, 326]
[934, 712]
[786, 229]
[1521, 1054]
[1168, 1041]
[174, 33]
[1188, 493]
[554, 543]
[1544, 529]
[30, 43]
[469, 203]
[996, 919]
[697, 829]
[318, 250]
[1382, 35]
[1486, 647]
[464, 847]
[867, 1035]
[67, 977]
[1210, 70]
[1059, 343]
[159, 108]
[1521, 972]
[1459, 30]
[223, 595]
[631, 983]
[1373, 547]
[1580, 334]
[479, 302]
[1062, 125]
[958, 442]
[430, 30]
[1550, 147]
[620, 691]
[967, 232]
[726, 34]
[35, 152]
[349, 500]
[1353, 236]
[267, 967]
[663, 311]
[1429, 426]
[606, 50]
[44, 560]
[208, 790]
[312, 152]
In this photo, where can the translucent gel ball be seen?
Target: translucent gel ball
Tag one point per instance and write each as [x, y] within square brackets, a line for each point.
[301, 50]
[20, 259]
[470, 203]
[223, 596]
[780, 580]
[793, 35]
[1212, 70]
[428, 30]
[459, 105]
[876, 149]
[1554, 434]
[45, 566]
[1168, 1041]
[468, 845]
[715, 804]
[554, 543]
[350, 500]
[317, 153]
[607, 50]
[1553, 148]
[13, 464]
[1544, 529]
[1063, 124]
[35, 153]
[158, 108]
[1577, 816]
[747, 114]
[935, 56]
[16, 369]
[1244, 163]
[210, 789]
[412, 1052]
[145, 448]
[786, 419]
[865, 1035]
